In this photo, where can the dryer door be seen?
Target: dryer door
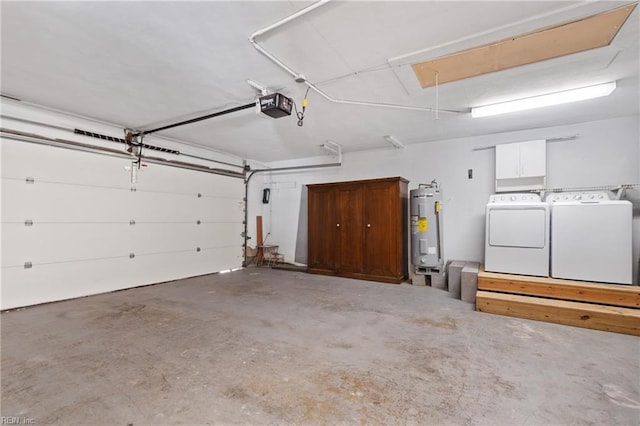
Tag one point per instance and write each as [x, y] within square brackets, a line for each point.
[517, 227]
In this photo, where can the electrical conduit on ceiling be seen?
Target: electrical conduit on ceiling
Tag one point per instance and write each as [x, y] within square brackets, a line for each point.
[300, 78]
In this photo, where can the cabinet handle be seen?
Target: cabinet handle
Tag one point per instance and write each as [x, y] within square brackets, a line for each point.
[368, 225]
[337, 225]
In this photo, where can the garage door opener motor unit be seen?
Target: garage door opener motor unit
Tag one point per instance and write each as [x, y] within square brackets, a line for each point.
[426, 229]
[276, 105]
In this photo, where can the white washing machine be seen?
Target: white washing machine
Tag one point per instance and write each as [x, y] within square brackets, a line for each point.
[591, 237]
[517, 235]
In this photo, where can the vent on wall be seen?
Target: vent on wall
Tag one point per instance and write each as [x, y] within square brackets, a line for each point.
[578, 36]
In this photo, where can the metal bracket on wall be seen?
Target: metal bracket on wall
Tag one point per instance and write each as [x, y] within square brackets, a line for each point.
[620, 192]
[134, 172]
[28, 265]
[28, 222]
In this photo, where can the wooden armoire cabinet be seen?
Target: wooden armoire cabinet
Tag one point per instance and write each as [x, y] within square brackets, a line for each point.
[358, 229]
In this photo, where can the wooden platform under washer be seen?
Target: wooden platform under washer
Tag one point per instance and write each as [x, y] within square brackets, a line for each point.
[608, 307]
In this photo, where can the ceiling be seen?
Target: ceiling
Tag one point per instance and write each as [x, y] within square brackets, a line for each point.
[145, 64]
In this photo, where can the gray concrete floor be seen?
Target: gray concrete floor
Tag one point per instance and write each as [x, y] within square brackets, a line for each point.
[263, 346]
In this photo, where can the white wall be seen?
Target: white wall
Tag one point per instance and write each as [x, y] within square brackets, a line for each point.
[82, 205]
[604, 153]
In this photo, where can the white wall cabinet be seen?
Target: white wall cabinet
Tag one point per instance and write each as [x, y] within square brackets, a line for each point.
[520, 166]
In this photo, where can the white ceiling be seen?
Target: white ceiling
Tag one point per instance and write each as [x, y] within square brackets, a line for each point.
[144, 64]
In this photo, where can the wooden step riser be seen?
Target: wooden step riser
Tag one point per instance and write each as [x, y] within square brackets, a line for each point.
[606, 294]
[577, 314]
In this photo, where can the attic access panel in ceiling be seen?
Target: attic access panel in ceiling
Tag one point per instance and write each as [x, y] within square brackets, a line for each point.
[578, 36]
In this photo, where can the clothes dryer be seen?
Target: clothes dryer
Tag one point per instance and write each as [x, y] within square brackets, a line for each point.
[591, 237]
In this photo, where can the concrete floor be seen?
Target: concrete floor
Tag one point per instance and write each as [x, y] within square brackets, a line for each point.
[261, 346]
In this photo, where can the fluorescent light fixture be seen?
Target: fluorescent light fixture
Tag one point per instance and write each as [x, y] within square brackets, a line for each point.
[556, 98]
[393, 141]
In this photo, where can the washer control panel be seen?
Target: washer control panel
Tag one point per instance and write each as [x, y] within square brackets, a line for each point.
[514, 198]
[585, 197]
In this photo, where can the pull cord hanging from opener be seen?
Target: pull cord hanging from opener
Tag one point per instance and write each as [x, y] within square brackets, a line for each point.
[300, 115]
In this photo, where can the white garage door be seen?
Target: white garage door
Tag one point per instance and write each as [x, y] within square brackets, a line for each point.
[72, 225]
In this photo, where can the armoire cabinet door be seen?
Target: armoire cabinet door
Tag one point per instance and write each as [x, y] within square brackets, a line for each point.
[351, 229]
[381, 248]
[322, 229]
[358, 229]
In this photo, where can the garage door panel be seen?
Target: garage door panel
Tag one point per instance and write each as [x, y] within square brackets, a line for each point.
[157, 238]
[164, 237]
[51, 164]
[63, 242]
[44, 283]
[215, 234]
[64, 203]
[156, 177]
[158, 207]
[17, 190]
[153, 177]
[171, 266]
[166, 266]
[231, 188]
[167, 179]
[221, 258]
[221, 209]
[81, 237]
